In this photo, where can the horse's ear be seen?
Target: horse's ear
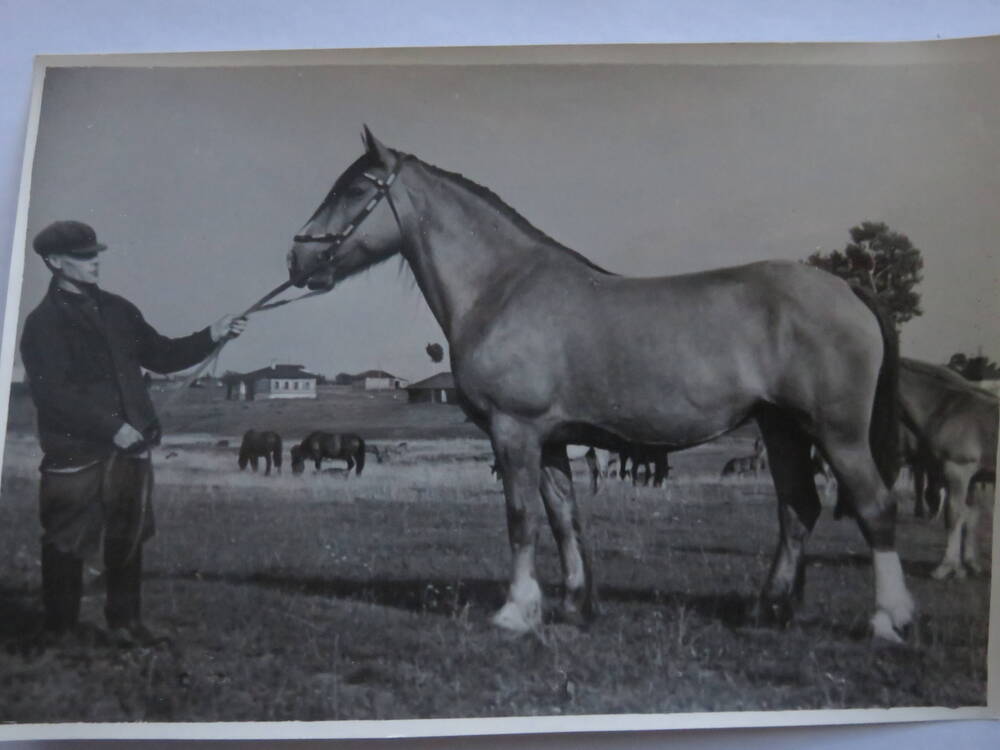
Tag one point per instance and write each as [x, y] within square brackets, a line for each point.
[375, 147]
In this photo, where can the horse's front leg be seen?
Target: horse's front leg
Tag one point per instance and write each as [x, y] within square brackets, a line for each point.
[798, 509]
[518, 452]
[579, 598]
[958, 478]
[919, 502]
[267, 465]
[595, 471]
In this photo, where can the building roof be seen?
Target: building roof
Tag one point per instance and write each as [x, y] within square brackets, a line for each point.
[441, 380]
[375, 374]
[283, 372]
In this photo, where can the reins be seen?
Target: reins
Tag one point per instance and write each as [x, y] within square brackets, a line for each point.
[335, 240]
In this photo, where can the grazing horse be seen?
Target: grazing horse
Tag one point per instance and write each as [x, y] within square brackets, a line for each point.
[955, 425]
[319, 445]
[264, 444]
[748, 465]
[644, 455]
[534, 338]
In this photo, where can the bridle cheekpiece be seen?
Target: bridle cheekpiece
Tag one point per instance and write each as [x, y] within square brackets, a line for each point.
[336, 239]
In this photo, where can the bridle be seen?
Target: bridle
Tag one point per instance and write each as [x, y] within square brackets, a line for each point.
[336, 239]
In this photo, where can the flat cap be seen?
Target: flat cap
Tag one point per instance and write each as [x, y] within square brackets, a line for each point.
[67, 238]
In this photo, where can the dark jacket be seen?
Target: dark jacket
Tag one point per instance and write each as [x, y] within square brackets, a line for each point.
[82, 354]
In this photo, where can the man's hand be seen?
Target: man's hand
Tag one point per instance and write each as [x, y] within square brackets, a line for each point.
[228, 327]
[127, 437]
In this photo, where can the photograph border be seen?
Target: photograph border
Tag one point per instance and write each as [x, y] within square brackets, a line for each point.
[873, 53]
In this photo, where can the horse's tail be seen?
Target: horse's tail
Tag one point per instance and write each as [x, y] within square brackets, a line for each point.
[360, 457]
[883, 433]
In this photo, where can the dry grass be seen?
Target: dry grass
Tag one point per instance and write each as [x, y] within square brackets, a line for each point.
[332, 597]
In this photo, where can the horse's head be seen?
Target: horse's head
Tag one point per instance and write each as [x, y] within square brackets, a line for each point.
[354, 227]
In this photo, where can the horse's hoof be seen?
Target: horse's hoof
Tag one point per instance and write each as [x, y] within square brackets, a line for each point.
[513, 620]
[973, 568]
[572, 616]
[946, 570]
[883, 630]
[772, 612]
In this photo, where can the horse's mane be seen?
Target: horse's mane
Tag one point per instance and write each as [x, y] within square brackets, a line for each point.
[945, 377]
[519, 221]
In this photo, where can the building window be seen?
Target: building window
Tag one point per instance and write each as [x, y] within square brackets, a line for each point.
[296, 386]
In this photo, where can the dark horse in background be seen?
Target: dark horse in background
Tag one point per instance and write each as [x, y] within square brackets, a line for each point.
[644, 456]
[534, 336]
[319, 445]
[260, 444]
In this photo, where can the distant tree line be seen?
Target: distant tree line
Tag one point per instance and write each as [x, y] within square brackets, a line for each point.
[978, 367]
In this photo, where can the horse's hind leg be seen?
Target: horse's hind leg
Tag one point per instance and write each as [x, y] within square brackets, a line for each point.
[798, 509]
[874, 509]
[267, 464]
[579, 600]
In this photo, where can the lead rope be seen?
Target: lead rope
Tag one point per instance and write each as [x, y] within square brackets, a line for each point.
[335, 240]
[261, 305]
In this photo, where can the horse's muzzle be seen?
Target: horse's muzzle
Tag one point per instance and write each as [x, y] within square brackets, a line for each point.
[300, 260]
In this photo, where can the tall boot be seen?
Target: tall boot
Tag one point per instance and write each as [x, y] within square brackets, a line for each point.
[62, 587]
[124, 583]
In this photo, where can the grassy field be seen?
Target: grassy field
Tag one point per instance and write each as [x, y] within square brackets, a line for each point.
[372, 414]
[328, 597]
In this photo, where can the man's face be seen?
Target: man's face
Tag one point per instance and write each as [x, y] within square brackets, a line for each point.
[85, 269]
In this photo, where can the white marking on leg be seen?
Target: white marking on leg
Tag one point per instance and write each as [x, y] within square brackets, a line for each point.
[894, 605]
[970, 555]
[523, 610]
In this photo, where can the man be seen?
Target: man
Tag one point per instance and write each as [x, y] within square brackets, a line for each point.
[83, 349]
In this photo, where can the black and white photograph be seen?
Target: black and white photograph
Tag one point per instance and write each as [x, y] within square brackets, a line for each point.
[595, 387]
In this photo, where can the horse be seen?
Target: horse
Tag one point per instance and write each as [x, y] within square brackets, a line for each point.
[597, 463]
[319, 445]
[955, 425]
[748, 465]
[534, 338]
[644, 456]
[264, 444]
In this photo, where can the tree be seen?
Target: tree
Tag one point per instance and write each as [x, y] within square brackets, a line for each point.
[881, 260]
[974, 368]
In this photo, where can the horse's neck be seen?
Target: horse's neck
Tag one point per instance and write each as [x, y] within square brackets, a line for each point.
[920, 398]
[926, 401]
[462, 246]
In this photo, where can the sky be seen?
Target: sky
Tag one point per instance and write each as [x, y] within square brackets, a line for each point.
[197, 179]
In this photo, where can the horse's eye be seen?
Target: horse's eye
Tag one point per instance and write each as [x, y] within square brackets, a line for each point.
[355, 191]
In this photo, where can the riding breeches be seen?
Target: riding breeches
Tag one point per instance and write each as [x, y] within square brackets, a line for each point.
[112, 498]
